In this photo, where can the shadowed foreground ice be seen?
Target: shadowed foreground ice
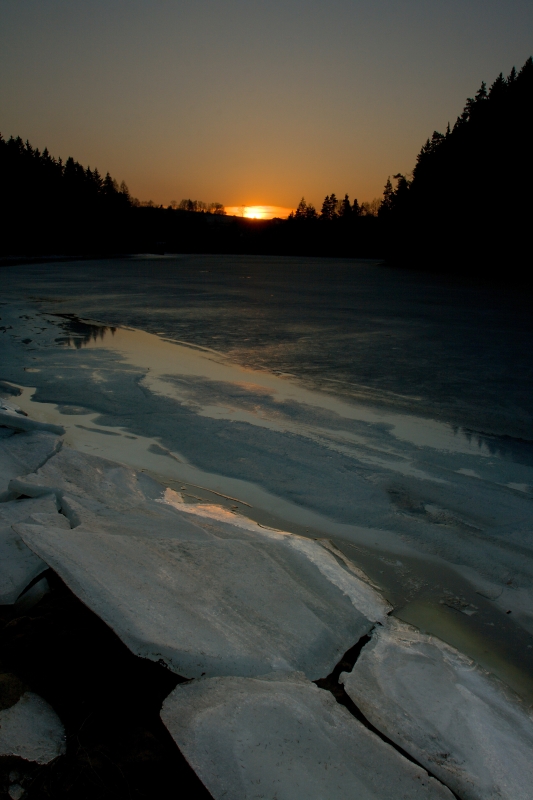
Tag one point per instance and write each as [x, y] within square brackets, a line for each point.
[211, 593]
[447, 713]
[18, 564]
[201, 594]
[24, 445]
[278, 736]
[31, 730]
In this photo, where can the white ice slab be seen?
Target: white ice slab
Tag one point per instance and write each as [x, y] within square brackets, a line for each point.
[31, 730]
[18, 564]
[279, 736]
[322, 553]
[219, 607]
[462, 724]
[20, 422]
[22, 453]
[102, 496]
[147, 520]
[90, 477]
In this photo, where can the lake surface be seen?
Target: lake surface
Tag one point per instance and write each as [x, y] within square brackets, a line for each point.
[383, 408]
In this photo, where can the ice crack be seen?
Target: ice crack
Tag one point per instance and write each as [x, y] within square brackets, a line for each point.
[332, 684]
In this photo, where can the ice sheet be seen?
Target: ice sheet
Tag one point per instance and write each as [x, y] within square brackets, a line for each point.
[20, 422]
[462, 724]
[102, 496]
[89, 477]
[31, 730]
[322, 554]
[221, 607]
[22, 452]
[279, 736]
[18, 564]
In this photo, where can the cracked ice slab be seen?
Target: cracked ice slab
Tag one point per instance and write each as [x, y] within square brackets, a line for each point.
[220, 607]
[97, 495]
[18, 564]
[207, 592]
[462, 724]
[280, 736]
[94, 479]
[11, 418]
[22, 452]
[31, 730]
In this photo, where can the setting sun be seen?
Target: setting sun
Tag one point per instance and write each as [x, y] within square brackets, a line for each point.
[258, 212]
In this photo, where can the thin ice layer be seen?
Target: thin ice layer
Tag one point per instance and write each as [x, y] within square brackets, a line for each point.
[31, 730]
[221, 607]
[279, 736]
[18, 564]
[465, 726]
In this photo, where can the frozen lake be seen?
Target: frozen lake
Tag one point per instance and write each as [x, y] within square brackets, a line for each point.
[387, 410]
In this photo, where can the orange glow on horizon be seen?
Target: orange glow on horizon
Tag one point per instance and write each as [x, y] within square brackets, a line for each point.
[258, 212]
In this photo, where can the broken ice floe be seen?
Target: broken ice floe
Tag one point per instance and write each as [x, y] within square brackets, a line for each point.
[102, 496]
[220, 607]
[280, 736]
[12, 417]
[89, 477]
[462, 724]
[236, 599]
[23, 452]
[18, 564]
[364, 595]
[31, 730]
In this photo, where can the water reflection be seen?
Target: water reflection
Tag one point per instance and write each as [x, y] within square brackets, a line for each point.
[214, 387]
[81, 333]
[517, 450]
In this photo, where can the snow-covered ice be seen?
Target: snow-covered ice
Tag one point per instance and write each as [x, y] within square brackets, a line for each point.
[31, 730]
[18, 564]
[279, 736]
[462, 724]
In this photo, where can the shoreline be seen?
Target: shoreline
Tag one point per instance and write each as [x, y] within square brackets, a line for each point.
[22, 637]
[402, 572]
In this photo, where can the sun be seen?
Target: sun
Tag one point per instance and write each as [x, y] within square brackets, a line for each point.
[258, 212]
[254, 212]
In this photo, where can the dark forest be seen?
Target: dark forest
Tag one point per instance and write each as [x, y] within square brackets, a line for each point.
[466, 207]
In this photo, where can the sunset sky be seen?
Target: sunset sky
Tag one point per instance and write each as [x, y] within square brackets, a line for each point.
[249, 103]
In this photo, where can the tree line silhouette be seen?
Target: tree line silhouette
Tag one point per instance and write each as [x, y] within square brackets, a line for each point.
[465, 208]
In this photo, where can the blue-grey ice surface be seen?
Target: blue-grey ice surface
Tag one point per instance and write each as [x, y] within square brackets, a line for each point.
[31, 729]
[447, 713]
[278, 736]
[25, 445]
[195, 590]
[384, 408]
[18, 564]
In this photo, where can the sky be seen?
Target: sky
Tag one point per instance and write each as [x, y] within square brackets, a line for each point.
[249, 103]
